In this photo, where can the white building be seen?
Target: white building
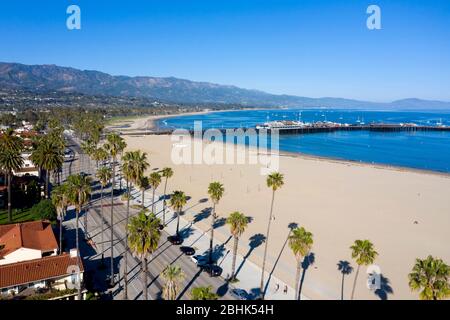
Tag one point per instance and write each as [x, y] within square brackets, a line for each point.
[26, 241]
[29, 261]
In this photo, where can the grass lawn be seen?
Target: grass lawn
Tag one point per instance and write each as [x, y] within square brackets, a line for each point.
[118, 119]
[19, 215]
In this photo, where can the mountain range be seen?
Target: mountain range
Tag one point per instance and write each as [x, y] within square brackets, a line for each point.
[42, 78]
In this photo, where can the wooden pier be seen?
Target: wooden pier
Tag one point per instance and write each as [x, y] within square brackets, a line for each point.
[311, 129]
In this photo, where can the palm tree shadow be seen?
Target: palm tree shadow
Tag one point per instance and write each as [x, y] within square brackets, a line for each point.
[203, 214]
[223, 289]
[385, 288]
[345, 268]
[219, 223]
[189, 284]
[186, 232]
[307, 262]
[255, 241]
[291, 226]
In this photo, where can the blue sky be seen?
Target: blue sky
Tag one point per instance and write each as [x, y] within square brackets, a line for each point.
[312, 48]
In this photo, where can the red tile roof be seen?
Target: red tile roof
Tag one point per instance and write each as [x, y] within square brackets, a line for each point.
[47, 268]
[33, 235]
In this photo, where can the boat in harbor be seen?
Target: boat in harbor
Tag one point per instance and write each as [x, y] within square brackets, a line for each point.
[281, 125]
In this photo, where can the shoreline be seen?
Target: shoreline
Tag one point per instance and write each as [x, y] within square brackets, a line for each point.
[150, 121]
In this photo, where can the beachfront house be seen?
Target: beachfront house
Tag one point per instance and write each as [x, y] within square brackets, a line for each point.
[26, 241]
[30, 266]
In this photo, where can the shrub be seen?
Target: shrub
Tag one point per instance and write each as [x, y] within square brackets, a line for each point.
[44, 210]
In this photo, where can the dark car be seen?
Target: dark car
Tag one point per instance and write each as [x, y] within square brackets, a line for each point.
[176, 240]
[239, 294]
[189, 251]
[212, 270]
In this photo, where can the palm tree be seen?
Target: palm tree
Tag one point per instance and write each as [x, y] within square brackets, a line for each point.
[134, 165]
[99, 155]
[177, 202]
[61, 201]
[47, 155]
[300, 242]
[215, 192]
[128, 174]
[11, 141]
[154, 180]
[166, 173]
[143, 184]
[274, 181]
[430, 276]
[114, 145]
[88, 148]
[103, 176]
[238, 223]
[11, 159]
[79, 191]
[364, 253]
[143, 238]
[203, 293]
[173, 275]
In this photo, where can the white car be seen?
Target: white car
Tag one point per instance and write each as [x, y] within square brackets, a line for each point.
[199, 260]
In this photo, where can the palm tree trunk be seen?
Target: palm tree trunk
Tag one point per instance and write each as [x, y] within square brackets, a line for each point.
[297, 280]
[103, 222]
[85, 223]
[233, 264]
[342, 287]
[9, 198]
[164, 203]
[112, 221]
[261, 286]
[213, 222]
[153, 201]
[354, 282]
[144, 280]
[47, 181]
[61, 217]
[78, 246]
[178, 222]
[125, 267]
[143, 194]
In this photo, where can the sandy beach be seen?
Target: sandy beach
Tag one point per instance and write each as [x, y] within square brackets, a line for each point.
[148, 122]
[404, 213]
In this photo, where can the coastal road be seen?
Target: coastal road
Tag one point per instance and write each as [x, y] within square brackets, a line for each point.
[165, 255]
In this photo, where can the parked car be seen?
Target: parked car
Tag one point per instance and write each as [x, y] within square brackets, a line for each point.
[189, 251]
[176, 240]
[199, 260]
[212, 269]
[239, 294]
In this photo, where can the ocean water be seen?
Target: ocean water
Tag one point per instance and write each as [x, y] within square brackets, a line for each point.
[419, 150]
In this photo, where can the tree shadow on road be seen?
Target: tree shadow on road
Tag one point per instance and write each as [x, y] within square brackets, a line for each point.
[255, 241]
